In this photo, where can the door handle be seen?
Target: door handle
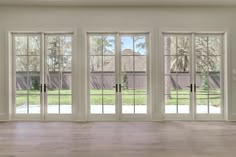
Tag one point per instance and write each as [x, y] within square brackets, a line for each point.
[191, 87]
[45, 88]
[116, 86]
[120, 87]
[41, 88]
[195, 88]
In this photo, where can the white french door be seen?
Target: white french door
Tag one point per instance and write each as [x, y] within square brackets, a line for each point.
[118, 75]
[42, 76]
[193, 76]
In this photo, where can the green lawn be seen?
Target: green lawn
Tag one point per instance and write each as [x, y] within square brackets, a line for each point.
[127, 98]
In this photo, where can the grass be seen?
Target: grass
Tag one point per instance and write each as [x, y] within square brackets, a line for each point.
[129, 97]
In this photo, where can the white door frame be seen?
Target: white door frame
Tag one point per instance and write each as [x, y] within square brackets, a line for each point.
[11, 63]
[224, 87]
[118, 116]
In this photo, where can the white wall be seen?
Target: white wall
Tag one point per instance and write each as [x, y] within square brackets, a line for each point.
[152, 18]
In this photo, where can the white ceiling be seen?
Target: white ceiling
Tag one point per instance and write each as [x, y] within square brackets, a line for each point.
[120, 2]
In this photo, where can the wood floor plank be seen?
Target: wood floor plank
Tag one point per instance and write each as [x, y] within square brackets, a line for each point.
[118, 139]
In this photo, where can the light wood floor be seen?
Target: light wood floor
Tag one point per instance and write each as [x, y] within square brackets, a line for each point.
[118, 139]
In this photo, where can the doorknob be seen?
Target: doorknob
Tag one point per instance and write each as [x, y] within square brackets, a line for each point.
[120, 87]
[41, 88]
[195, 87]
[45, 88]
[116, 86]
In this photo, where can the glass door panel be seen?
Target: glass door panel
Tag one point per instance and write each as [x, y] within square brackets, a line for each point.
[208, 50]
[102, 73]
[133, 76]
[58, 73]
[118, 74]
[177, 52]
[193, 80]
[27, 48]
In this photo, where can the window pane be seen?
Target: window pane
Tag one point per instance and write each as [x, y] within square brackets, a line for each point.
[140, 81]
[109, 83]
[53, 104]
[109, 104]
[170, 45]
[65, 104]
[202, 103]
[96, 83]
[96, 104]
[202, 84]
[21, 63]
[21, 83]
[21, 104]
[170, 103]
[140, 104]
[66, 45]
[201, 44]
[127, 82]
[183, 103]
[214, 63]
[140, 63]
[34, 63]
[109, 45]
[128, 104]
[34, 104]
[215, 104]
[140, 45]
[127, 44]
[21, 45]
[53, 62]
[54, 83]
[215, 45]
[95, 44]
[127, 63]
[34, 82]
[66, 63]
[214, 83]
[34, 45]
[109, 63]
[171, 84]
[171, 64]
[95, 63]
[183, 85]
[53, 46]
[66, 83]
